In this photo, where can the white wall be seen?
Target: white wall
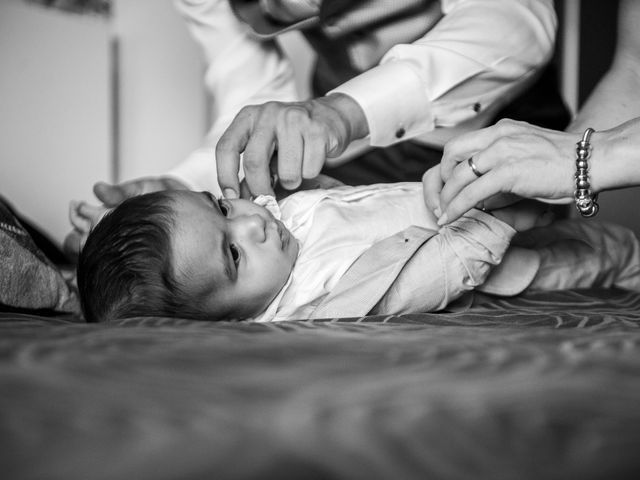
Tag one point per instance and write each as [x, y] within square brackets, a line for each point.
[54, 110]
[162, 105]
[57, 102]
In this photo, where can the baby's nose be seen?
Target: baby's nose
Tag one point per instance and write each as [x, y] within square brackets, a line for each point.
[252, 226]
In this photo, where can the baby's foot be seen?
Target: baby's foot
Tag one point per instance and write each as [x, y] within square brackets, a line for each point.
[525, 214]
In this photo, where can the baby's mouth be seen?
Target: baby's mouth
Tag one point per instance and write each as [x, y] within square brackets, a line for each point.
[283, 234]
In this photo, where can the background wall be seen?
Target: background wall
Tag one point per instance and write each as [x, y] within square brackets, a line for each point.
[161, 105]
[86, 98]
[55, 111]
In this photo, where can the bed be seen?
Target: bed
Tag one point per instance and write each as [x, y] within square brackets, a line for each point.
[540, 386]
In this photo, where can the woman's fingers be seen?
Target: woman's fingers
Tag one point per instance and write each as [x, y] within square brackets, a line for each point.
[481, 181]
[459, 150]
[471, 195]
[508, 158]
[465, 173]
[431, 187]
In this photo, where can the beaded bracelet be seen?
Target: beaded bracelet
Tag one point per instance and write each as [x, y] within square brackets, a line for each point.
[586, 202]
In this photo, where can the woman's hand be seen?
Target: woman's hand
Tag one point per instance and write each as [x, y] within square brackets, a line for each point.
[513, 158]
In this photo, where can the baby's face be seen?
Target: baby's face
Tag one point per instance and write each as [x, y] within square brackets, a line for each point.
[231, 254]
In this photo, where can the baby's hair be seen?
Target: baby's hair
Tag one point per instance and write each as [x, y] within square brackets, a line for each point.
[125, 268]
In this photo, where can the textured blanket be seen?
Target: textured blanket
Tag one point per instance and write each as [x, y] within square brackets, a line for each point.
[541, 386]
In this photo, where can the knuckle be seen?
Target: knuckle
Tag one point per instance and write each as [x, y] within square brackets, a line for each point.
[317, 133]
[431, 177]
[507, 126]
[251, 162]
[270, 105]
[223, 146]
[294, 115]
[247, 112]
[506, 123]
[449, 151]
[501, 146]
[317, 129]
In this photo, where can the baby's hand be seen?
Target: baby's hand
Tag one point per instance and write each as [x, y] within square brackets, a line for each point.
[83, 218]
[525, 215]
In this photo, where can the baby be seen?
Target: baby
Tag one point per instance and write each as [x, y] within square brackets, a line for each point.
[344, 251]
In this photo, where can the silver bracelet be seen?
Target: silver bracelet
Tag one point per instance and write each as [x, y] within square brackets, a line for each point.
[586, 201]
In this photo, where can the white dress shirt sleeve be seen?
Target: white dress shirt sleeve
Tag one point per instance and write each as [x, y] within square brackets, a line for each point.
[577, 254]
[456, 260]
[476, 58]
[240, 71]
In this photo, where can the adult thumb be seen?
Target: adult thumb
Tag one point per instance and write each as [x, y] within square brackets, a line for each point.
[110, 195]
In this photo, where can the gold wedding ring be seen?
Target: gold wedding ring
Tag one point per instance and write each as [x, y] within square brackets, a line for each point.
[473, 167]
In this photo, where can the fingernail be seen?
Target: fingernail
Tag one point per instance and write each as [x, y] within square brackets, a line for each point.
[443, 219]
[230, 193]
[437, 212]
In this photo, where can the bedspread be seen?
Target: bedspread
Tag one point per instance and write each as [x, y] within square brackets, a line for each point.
[540, 386]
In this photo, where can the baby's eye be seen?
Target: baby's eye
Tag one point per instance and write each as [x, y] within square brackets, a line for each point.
[235, 253]
[223, 206]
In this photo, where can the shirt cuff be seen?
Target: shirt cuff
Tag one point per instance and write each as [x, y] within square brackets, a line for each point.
[518, 266]
[495, 234]
[399, 110]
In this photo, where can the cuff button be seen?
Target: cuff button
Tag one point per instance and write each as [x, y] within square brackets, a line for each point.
[400, 132]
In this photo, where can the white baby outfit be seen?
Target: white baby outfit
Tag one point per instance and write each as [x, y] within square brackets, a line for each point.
[336, 227]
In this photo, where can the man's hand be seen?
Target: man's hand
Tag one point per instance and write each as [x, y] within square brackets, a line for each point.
[84, 216]
[114, 195]
[302, 134]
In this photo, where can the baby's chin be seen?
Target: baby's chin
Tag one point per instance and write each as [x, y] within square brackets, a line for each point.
[260, 310]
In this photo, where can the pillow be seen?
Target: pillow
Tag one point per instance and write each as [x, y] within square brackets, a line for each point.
[28, 279]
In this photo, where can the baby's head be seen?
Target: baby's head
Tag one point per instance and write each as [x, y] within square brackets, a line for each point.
[184, 254]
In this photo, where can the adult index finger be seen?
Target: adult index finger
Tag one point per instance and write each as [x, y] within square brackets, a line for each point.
[471, 195]
[228, 149]
[431, 188]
